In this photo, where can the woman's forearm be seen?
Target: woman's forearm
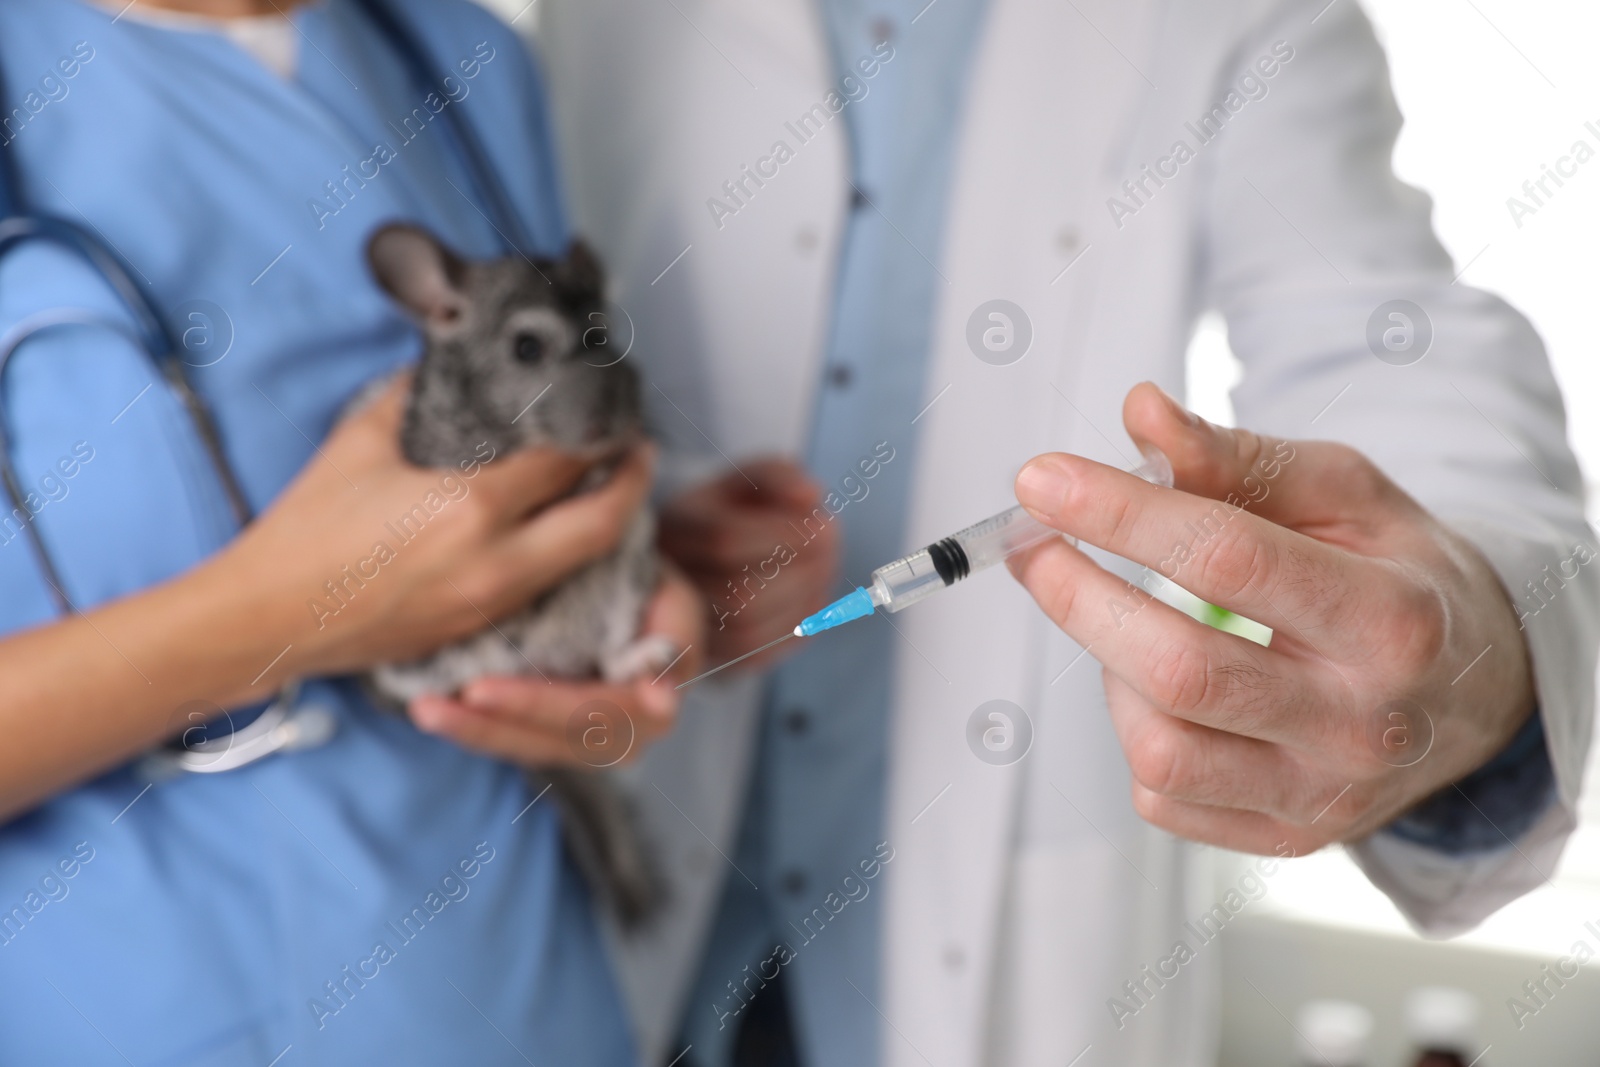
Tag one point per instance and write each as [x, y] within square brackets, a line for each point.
[88, 692]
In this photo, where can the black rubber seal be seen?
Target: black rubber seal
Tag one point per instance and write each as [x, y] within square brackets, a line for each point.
[950, 560]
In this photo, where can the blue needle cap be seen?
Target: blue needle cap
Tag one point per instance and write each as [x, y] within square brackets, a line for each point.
[847, 608]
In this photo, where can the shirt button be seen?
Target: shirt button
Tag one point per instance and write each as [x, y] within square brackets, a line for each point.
[840, 376]
[882, 30]
[858, 199]
[797, 721]
[794, 883]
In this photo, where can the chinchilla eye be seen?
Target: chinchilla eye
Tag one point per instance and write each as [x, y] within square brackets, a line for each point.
[529, 348]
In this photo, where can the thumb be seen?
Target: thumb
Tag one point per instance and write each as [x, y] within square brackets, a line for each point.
[1207, 460]
[1293, 483]
[376, 411]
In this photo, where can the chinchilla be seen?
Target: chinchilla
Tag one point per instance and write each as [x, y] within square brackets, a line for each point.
[515, 356]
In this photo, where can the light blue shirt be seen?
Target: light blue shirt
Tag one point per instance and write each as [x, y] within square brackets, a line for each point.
[383, 899]
[815, 811]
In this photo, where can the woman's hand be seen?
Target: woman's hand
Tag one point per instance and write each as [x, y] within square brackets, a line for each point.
[365, 558]
[539, 723]
[305, 590]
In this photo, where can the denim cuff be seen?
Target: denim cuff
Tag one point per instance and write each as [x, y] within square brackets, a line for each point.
[1490, 808]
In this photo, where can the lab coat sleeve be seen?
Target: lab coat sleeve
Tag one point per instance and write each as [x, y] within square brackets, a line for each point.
[1307, 235]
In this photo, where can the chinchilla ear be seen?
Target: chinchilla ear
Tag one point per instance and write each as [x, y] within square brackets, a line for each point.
[424, 275]
[578, 277]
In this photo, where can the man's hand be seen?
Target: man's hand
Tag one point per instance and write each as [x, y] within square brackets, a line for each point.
[744, 546]
[542, 723]
[1396, 665]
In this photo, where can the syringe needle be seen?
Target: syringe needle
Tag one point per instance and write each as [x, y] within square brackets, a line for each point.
[741, 659]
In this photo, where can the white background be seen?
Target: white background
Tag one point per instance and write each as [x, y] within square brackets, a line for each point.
[1492, 92]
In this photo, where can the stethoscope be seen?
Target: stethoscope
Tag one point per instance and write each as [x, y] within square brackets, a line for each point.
[284, 725]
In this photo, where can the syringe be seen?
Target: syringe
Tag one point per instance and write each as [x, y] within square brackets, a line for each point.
[896, 586]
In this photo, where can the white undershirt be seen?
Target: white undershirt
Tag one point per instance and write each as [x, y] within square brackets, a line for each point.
[272, 39]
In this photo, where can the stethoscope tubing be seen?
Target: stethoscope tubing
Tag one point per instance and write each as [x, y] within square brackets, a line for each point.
[10, 341]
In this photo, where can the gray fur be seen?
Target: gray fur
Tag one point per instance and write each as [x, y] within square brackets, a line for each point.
[482, 380]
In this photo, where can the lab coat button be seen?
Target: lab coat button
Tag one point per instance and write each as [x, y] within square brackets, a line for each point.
[794, 883]
[805, 239]
[954, 957]
[1067, 240]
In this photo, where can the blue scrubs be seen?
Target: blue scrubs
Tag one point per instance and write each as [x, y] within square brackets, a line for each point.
[377, 900]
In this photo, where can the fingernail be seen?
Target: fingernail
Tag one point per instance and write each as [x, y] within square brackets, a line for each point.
[430, 713]
[479, 696]
[1042, 486]
[659, 700]
[1179, 412]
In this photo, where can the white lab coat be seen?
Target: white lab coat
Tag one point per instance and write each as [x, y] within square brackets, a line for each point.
[1021, 898]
